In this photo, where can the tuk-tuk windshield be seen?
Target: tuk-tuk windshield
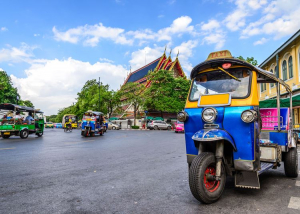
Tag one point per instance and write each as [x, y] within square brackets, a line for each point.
[219, 82]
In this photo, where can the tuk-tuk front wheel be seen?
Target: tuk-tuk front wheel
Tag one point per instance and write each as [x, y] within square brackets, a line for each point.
[291, 163]
[204, 187]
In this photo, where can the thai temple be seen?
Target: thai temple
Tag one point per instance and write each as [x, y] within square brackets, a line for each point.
[139, 75]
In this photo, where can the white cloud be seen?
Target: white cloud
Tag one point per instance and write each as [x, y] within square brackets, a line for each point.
[185, 52]
[244, 8]
[280, 18]
[3, 29]
[53, 84]
[210, 25]
[213, 34]
[261, 41]
[91, 35]
[1, 69]
[13, 54]
[105, 60]
[36, 34]
[144, 56]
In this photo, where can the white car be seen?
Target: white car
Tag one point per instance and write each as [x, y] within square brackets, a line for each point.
[113, 126]
[157, 124]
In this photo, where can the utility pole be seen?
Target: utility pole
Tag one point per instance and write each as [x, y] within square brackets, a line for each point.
[99, 93]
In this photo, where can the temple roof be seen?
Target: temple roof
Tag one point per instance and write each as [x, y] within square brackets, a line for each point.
[160, 63]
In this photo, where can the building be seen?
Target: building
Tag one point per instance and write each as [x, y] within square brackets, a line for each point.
[284, 63]
[161, 63]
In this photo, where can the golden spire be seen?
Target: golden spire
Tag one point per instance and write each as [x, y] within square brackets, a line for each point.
[177, 54]
[165, 49]
[170, 52]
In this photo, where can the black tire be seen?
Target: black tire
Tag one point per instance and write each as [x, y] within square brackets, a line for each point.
[24, 134]
[176, 131]
[113, 128]
[155, 128]
[5, 136]
[85, 133]
[291, 163]
[169, 128]
[40, 134]
[92, 134]
[202, 191]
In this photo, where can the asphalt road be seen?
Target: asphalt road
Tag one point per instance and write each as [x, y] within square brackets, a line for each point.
[121, 172]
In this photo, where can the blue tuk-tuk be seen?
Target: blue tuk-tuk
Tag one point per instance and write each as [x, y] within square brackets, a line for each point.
[226, 132]
[92, 124]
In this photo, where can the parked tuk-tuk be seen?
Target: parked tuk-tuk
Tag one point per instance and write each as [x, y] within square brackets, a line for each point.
[20, 121]
[92, 123]
[226, 132]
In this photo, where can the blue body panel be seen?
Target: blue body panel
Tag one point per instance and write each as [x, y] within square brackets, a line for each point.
[90, 124]
[279, 137]
[229, 119]
[241, 132]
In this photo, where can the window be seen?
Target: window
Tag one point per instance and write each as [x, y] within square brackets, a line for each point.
[284, 70]
[276, 72]
[272, 84]
[219, 82]
[290, 67]
[263, 87]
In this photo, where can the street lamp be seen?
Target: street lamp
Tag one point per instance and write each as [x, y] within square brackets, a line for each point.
[99, 92]
[18, 98]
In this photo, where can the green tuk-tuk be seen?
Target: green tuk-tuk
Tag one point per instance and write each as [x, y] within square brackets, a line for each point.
[20, 121]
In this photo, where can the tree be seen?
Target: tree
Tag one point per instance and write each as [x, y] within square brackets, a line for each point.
[250, 60]
[8, 94]
[27, 103]
[132, 94]
[166, 93]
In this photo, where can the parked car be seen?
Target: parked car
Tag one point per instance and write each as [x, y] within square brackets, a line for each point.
[113, 126]
[179, 127]
[49, 125]
[157, 124]
[58, 125]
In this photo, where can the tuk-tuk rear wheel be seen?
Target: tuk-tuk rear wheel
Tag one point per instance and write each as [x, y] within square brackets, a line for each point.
[204, 190]
[5, 136]
[24, 133]
[291, 163]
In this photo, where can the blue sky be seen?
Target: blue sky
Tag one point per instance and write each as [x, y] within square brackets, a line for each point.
[50, 48]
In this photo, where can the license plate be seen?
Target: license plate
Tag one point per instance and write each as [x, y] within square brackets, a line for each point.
[6, 133]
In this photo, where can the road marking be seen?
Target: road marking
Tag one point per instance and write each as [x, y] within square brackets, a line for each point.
[7, 148]
[297, 183]
[294, 203]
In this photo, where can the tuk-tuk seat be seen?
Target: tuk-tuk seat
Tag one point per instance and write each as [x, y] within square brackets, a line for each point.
[269, 118]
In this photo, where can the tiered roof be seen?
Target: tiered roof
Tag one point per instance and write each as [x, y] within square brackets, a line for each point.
[160, 63]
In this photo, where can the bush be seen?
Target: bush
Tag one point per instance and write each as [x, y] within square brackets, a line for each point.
[135, 127]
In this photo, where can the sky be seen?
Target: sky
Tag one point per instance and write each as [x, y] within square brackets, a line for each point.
[51, 48]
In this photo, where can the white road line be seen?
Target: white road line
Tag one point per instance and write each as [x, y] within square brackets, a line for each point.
[294, 203]
[7, 148]
[297, 183]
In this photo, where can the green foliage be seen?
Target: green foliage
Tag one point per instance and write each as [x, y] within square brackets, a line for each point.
[132, 93]
[9, 94]
[52, 118]
[166, 93]
[250, 60]
[135, 127]
[88, 99]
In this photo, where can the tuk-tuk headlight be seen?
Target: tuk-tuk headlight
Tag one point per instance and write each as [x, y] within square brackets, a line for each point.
[209, 115]
[248, 116]
[182, 116]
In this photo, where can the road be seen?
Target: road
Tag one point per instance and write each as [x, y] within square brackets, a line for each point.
[121, 172]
